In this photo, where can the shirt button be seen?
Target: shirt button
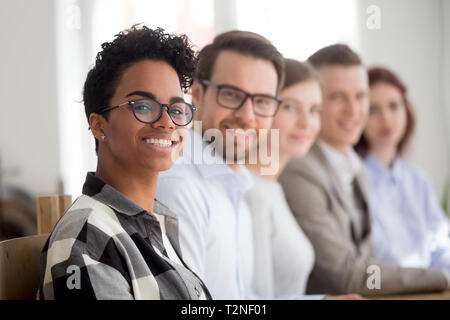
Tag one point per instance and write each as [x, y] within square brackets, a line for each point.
[197, 292]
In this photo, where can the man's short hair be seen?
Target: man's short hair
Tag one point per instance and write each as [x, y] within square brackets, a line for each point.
[336, 54]
[243, 42]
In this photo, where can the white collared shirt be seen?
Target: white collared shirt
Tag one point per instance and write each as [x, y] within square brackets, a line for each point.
[346, 166]
[214, 220]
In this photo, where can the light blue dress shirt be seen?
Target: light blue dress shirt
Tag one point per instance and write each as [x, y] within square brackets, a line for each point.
[214, 221]
[408, 226]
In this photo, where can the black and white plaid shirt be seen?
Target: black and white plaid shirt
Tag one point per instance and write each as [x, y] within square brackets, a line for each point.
[107, 247]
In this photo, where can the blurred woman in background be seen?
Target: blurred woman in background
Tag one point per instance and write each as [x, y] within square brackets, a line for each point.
[408, 226]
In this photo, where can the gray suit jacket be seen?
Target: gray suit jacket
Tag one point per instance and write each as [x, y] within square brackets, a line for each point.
[343, 249]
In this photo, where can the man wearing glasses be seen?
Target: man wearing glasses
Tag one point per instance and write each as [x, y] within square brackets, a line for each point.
[235, 93]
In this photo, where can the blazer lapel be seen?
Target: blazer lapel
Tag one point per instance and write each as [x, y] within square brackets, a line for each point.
[364, 194]
[338, 192]
[336, 187]
[362, 184]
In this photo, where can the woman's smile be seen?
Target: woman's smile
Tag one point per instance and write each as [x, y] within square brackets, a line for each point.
[162, 142]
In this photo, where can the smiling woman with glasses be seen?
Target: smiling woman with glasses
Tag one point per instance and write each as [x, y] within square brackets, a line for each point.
[116, 241]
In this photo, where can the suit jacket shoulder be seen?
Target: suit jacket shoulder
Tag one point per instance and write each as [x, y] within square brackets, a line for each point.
[314, 167]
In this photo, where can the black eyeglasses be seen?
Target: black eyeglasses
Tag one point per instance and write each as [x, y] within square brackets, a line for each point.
[234, 98]
[147, 110]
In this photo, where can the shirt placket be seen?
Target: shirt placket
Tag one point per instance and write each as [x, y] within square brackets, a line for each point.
[235, 197]
[154, 233]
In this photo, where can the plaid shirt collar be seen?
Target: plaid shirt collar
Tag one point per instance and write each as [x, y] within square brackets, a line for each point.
[94, 187]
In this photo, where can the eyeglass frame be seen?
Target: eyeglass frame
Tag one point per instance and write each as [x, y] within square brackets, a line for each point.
[161, 110]
[247, 95]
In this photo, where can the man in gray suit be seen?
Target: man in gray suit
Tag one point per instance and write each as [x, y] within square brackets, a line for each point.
[327, 192]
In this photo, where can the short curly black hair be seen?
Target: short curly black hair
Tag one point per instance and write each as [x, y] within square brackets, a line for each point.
[129, 47]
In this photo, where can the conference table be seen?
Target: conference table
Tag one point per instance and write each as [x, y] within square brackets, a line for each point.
[445, 295]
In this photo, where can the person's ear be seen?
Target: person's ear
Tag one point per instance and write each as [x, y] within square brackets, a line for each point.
[197, 93]
[98, 124]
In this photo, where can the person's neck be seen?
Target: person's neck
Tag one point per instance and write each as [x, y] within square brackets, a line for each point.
[341, 148]
[235, 167]
[257, 168]
[385, 154]
[139, 187]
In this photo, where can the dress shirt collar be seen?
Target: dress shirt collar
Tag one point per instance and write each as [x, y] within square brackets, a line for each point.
[393, 173]
[245, 179]
[211, 165]
[346, 166]
[208, 164]
[99, 190]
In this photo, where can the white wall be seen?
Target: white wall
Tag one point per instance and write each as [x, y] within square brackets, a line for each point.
[411, 42]
[445, 18]
[225, 15]
[74, 32]
[301, 27]
[28, 109]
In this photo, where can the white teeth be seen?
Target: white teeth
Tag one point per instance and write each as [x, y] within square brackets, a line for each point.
[238, 132]
[159, 142]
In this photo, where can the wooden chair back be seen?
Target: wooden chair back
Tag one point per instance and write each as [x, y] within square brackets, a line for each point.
[19, 257]
[48, 211]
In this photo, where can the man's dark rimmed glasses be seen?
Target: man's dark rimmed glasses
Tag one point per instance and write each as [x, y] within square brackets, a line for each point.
[234, 98]
[147, 110]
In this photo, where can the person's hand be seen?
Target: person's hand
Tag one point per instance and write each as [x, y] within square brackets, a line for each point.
[352, 296]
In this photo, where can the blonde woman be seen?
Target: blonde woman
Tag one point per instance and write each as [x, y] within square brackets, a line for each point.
[283, 255]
